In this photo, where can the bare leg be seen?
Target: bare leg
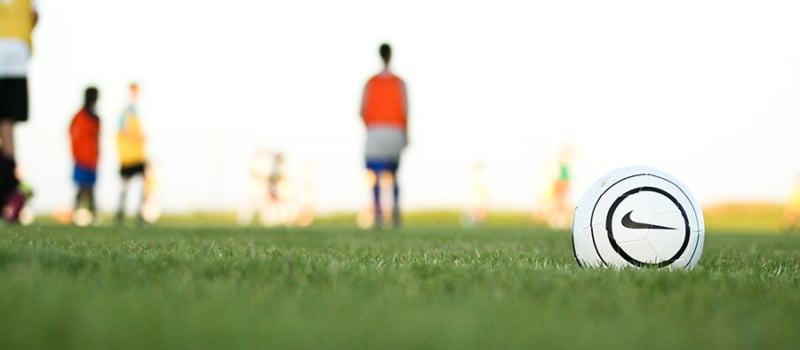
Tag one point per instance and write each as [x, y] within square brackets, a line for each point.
[8, 179]
[120, 217]
[139, 216]
[7, 138]
[395, 200]
[376, 199]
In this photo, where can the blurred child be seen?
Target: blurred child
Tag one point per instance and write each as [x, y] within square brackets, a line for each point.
[256, 193]
[554, 208]
[384, 111]
[307, 196]
[84, 131]
[791, 214]
[479, 196]
[151, 209]
[278, 210]
[560, 216]
[130, 144]
[17, 20]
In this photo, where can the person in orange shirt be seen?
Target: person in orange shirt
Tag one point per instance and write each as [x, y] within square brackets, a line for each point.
[84, 131]
[384, 111]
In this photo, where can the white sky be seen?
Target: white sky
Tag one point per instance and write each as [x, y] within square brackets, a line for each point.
[705, 90]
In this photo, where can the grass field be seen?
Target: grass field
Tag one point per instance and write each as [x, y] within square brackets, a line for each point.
[332, 286]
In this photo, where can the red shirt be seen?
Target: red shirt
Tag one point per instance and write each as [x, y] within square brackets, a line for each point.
[84, 132]
[385, 102]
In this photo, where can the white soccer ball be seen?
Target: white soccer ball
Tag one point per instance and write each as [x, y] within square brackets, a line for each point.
[638, 217]
[82, 217]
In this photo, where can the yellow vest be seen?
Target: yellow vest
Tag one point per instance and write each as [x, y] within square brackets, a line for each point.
[16, 20]
[130, 140]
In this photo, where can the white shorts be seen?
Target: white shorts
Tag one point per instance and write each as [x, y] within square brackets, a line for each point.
[385, 143]
[14, 55]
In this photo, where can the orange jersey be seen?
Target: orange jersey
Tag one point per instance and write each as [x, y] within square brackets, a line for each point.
[385, 102]
[84, 132]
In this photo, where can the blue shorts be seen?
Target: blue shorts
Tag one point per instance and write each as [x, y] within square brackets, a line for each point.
[380, 165]
[84, 176]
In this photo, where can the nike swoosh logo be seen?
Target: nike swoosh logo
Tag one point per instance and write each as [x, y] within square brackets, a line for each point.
[627, 222]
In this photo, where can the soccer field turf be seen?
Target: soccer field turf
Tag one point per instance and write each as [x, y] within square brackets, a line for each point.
[337, 287]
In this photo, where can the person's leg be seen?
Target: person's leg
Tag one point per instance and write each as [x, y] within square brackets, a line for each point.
[142, 197]
[79, 198]
[8, 178]
[376, 197]
[123, 198]
[80, 213]
[13, 109]
[395, 200]
[92, 206]
[7, 137]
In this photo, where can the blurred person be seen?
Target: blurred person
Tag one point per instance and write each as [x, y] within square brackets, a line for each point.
[307, 196]
[17, 20]
[553, 207]
[365, 218]
[478, 196]
[26, 215]
[151, 209]
[256, 193]
[84, 133]
[540, 215]
[791, 213]
[561, 211]
[278, 210]
[384, 111]
[133, 163]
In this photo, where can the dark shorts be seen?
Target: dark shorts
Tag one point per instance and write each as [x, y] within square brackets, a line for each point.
[380, 165]
[130, 171]
[14, 99]
[84, 176]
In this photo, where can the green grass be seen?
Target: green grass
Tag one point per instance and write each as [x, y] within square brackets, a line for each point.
[427, 286]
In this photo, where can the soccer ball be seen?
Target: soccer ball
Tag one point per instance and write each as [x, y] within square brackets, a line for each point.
[638, 217]
[82, 217]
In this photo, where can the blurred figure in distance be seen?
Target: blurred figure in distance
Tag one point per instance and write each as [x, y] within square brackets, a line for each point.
[278, 211]
[478, 196]
[17, 19]
[133, 163]
[562, 210]
[791, 213]
[84, 131]
[256, 195]
[384, 111]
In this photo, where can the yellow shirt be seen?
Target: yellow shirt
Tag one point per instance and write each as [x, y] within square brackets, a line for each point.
[130, 140]
[16, 20]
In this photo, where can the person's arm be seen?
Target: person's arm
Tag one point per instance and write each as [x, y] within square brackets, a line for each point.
[34, 14]
[405, 99]
[405, 109]
[364, 102]
[73, 136]
[34, 20]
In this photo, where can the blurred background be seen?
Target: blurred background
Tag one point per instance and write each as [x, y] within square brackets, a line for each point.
[704, 90]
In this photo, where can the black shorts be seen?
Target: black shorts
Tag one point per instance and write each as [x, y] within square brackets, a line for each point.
[130, 171]
[14, 99]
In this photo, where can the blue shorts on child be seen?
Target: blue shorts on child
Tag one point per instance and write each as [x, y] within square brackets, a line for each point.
[84, 176]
